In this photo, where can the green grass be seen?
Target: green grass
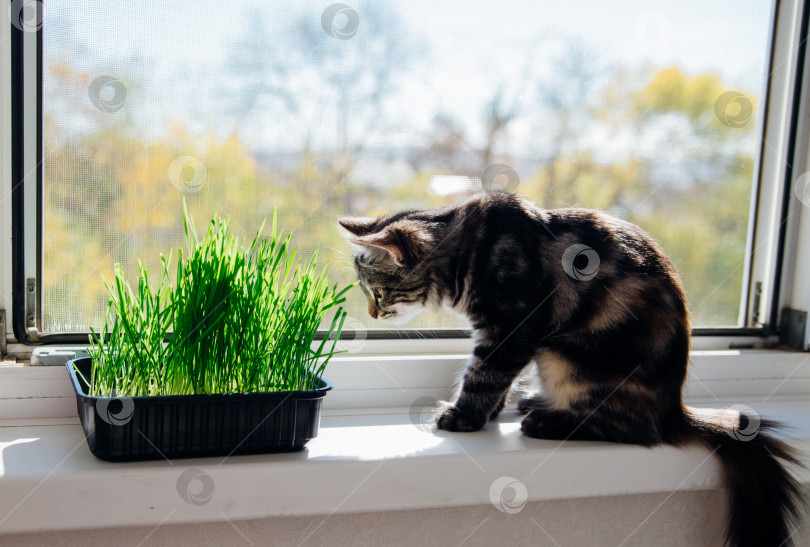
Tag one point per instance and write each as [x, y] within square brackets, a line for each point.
[239, 318]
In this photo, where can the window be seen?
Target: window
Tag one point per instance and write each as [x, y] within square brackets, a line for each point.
[655, 112]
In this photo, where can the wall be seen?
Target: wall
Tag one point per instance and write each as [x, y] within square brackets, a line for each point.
[692, 519]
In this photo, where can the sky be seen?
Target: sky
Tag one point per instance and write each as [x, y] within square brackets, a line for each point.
[469, 45]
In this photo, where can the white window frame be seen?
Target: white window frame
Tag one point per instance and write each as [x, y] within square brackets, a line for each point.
[5, 173]
[767, 213]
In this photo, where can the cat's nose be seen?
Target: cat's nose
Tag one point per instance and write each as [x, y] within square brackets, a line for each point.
[372, 311]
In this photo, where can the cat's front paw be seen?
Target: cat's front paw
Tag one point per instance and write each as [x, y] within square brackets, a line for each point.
[533, 424]
[454, 419]
[544, 424]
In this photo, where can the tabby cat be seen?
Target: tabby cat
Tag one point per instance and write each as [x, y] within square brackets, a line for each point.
[598, 307]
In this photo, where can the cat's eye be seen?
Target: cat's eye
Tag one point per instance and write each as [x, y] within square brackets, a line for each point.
[378, 293]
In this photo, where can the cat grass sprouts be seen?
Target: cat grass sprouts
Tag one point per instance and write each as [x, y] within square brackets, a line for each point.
[238, 319]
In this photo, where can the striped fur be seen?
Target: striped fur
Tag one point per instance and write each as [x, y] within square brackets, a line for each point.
[598, 307]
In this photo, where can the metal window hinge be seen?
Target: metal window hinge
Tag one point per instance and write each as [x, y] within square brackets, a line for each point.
[756, 304]
[793, 328]
[31, 307]
[3, 333]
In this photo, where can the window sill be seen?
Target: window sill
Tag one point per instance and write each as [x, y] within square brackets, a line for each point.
[50, 481]
[375, 380]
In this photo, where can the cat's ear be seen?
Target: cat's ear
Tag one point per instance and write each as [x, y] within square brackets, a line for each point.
[403, 242]
[358, 226]
[386, 240]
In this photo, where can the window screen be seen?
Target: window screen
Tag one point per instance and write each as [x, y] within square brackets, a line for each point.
[651, 111]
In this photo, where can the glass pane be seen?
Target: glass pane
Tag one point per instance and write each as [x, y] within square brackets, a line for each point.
[651, 111]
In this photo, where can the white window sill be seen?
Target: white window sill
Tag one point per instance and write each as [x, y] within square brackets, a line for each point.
[50, 481]
[370, 459]
[375, 379]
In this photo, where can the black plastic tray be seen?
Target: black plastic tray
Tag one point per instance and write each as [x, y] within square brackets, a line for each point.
[187, 426]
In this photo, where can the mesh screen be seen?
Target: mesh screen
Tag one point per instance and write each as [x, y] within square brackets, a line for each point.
[648, 110]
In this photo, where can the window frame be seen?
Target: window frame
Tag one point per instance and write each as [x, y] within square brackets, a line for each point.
[770, 221]
[5, 178]
[772, 215]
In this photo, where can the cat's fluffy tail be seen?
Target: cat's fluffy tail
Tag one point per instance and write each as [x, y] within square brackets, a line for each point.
[763, 495]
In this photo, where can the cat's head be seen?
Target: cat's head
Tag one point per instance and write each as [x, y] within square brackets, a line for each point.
[391, 262]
